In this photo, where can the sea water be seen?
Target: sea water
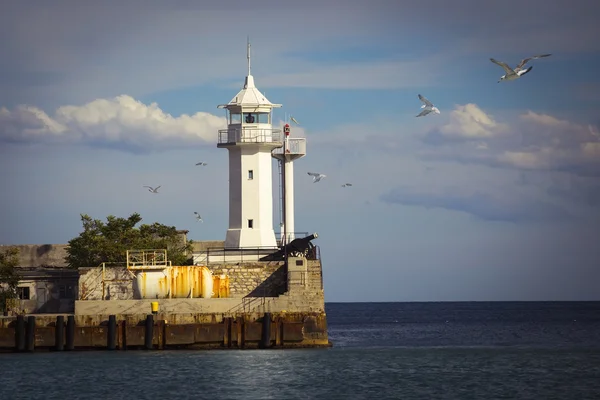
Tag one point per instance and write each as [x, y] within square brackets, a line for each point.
[473, 350]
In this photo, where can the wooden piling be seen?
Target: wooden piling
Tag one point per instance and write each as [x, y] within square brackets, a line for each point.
[111, 333]
[30, 333]
[20, 333]
[59, 333]
[265, 341]
[149, 334]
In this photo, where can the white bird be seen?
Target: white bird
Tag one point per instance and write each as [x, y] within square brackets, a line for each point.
[198, 217]
[201, 163]
[294, 120]
[316, 176]
[151, 189]
[427, 106]
[346, 184]
[512, 74]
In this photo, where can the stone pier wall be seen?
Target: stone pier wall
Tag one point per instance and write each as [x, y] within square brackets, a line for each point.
[251, 279]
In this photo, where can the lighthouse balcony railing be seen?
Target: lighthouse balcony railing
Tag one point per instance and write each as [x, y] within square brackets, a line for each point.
[250, 135]
[293, 146]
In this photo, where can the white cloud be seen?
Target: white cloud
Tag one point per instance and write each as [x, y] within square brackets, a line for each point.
[121, 122]
[532, 141]
[564, 154]
[591, 150]
[470, 122]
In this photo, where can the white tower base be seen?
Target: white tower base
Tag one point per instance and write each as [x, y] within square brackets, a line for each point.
[250, 216]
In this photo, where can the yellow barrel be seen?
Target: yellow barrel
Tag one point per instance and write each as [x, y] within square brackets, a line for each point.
[154, 306]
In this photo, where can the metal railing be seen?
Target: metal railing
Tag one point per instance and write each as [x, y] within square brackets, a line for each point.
[147, 259]
[248, 305]
[294, 146]
[220, 254]
[250, 135]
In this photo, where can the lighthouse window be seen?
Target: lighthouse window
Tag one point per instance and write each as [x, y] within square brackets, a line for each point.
[263, 118]
[250, 174]
[250, 223]
[256, 118]
[235, 118]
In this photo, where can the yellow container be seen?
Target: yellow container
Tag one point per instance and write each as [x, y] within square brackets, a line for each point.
[154, 306]
[221, 286]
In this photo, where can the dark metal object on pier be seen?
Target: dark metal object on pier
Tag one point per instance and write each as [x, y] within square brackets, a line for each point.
[300, 247]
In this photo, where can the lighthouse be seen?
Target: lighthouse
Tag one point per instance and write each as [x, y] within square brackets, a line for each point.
[250, 139]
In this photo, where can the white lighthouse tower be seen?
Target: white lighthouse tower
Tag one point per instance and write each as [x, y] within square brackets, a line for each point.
[250, 139]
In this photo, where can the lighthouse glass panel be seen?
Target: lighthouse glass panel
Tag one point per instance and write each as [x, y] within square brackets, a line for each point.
[263, 118]
[256, 118]
[235, 118]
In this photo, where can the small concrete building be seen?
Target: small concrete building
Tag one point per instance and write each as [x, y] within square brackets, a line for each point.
[46, 284]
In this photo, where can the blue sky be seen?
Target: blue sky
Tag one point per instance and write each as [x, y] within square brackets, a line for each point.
[496, 198]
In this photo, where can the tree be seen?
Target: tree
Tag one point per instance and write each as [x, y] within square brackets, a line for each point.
[9, 276]
[108, 242]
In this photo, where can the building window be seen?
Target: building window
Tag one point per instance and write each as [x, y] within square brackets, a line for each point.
[23, 293]
[250, 223]
[235, 118]
[299, 263]
[250, 174]
[263, 118]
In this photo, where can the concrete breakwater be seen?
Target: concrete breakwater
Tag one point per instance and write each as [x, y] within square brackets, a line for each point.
[241, 304]
[159, 332]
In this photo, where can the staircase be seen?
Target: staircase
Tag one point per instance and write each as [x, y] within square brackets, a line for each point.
[92, 280]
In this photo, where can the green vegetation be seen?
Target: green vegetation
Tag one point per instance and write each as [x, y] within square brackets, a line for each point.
[108, 242]
[9, 276]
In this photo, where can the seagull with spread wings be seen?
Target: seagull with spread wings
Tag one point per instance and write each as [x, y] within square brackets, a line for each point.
[151, 189]
[201, 163]
[519, 71]
[427, 107]
[198, 217]
[316, 176]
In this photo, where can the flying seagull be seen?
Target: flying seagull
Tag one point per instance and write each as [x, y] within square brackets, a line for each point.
[151, 189]
[427, 107]
[201, 163]
[294, 120]
[316, 176]
[512, 74]
[198, 217]
[346, 184]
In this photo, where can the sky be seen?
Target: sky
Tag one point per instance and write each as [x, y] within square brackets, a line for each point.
[497, 198]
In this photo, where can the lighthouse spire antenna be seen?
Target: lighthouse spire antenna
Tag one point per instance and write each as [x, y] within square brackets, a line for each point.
[248, 56]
